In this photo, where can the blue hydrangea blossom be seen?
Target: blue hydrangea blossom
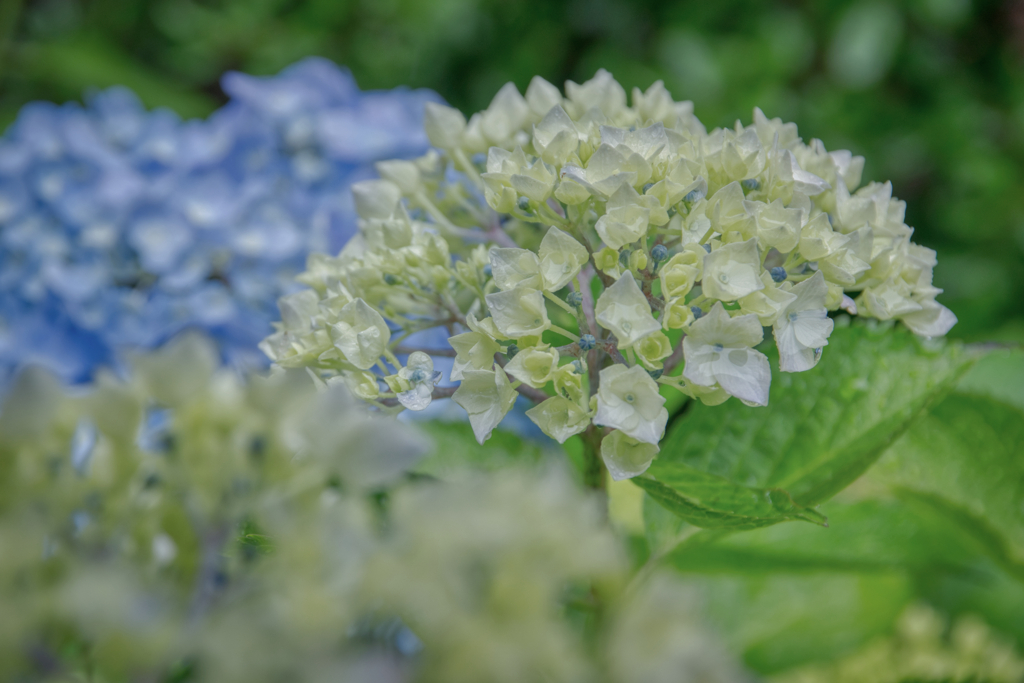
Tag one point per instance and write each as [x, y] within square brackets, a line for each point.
[120, 227]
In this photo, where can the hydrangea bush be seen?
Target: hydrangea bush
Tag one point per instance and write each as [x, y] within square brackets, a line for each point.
[578, 251]
[185, 522]
[120, 226]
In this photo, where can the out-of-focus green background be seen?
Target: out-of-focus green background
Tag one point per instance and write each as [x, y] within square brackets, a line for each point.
[930, 91]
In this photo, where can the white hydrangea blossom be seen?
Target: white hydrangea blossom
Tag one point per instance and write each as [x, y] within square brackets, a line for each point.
[628, 400]
[486, 396]
[624, 311]
[617, 242]
[626, 457]
[719, 351]
[803, 327]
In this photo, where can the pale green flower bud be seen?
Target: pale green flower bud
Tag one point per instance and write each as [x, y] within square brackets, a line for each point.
[362, 384]
[559, 418]
[727, 210]
[360, 334]
[376, 199]
[787, 172]
[606, 171]
[296, 343]
[180, 370]
[668, 194]
[718, 350]
[777, 226]
[933, 320]
[635, 169]
[607, 261]
[848, 168]
[298, 310]
[397, 383]
[843, 267]
[486, 397]
[735, 155]
[625, 221]
[767, 129]
[519, 312]
[644, 148]
[561, 258]
[917, 267]
[836, 298]
[502, 165]
[485, 326]
[569, 382]
[818, 240]
[535, 181]
[625, 457]
[505, 116]
[541, 96]
[637, 260]
[474, 351]
[602, 92]
[555, 137]
[652, 349]
[891, 299]
[678, 314]
[534, 366]
[732, 271]
[680, 272]
[404, 174]
[498, 194]
[655, 104]
[444, 125]
[872, 205]
[571, 192]
[473, 138]
[623, 309]
[628, 400]
[513, 268]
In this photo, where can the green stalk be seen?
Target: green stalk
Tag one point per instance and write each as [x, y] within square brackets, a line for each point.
[594, 475]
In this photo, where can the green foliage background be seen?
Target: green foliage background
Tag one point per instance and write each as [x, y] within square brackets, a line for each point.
[931, 92]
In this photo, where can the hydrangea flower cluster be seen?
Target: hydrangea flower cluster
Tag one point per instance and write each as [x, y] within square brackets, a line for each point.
[186, 514]
[121, 226]
[578, 250]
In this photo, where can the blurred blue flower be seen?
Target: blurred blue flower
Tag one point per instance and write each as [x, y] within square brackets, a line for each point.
[119, 227]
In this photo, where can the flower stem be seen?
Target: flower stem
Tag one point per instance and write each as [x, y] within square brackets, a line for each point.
[565, 333]
[593, 465]
[560, 303]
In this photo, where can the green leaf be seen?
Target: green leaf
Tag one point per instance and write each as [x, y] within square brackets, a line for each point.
[779, 621]
[712, 502]
[964, 460]
[790, 594]
[986, 591]
[999, 375]
[661, 527]
[867, 536]
[821, 430]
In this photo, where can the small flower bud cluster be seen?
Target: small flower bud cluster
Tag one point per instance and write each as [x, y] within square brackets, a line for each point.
[576, 246]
